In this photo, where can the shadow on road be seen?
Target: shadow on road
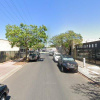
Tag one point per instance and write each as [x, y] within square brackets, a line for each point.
[8, 97]
[41, 59]
[90, 90]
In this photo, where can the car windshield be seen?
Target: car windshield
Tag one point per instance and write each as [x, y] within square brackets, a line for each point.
[68, 59]
[51, 52]
[32, 54]
[57, 54]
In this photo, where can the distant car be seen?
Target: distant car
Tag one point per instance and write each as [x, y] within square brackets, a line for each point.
[43, 50]
[3, 92]
[67, 63]
[34, 56]
[51, 53]
[56, 56]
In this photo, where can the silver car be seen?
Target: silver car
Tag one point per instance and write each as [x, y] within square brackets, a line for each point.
[56, 56]
[33, 56]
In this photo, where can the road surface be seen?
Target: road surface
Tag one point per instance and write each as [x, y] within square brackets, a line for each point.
[43, 80]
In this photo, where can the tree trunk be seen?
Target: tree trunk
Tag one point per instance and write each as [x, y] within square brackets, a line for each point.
[26, 53]
[70, 50]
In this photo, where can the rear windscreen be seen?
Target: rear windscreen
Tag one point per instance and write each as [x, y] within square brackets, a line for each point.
[32, 54]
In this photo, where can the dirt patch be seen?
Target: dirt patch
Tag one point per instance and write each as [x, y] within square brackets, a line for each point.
[20, 63]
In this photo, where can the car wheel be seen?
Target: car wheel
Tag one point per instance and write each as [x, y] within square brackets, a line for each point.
[3, 97]
[62, 69]
[76, 70]
[58, 64]
[36, 60]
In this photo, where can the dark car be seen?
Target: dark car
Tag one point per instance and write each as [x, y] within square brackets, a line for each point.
[38, 53]
[67, 63]
[3, 92]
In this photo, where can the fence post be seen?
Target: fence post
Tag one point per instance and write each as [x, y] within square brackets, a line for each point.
[83, 62]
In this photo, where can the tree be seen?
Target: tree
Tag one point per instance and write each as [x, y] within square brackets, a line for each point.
[39, 46]
[66, 40]
[26, 35]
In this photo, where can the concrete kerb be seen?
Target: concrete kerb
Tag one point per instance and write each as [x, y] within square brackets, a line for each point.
[98, 83]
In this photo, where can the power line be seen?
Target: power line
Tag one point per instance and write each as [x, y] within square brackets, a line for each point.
[27, 9]
[5, 13]
[12, 10]
[17, 10]
[24, 14]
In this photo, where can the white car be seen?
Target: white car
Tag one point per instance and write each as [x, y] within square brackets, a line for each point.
[56, 56]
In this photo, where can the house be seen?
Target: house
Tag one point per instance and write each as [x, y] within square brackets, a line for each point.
[7, 52]
[89, 50]
[5, 46]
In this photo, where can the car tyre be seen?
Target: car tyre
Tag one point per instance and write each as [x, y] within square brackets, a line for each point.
[76, 70]
[62, 69]
[3, 97]
[58, 65]
[36, 60]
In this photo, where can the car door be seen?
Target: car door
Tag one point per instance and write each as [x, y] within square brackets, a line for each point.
[60, 60]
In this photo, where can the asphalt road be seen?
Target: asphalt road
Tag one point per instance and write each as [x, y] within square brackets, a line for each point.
[43, 80]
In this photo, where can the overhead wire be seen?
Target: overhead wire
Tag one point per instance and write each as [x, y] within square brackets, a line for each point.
[24, 13]
[28, 10]
[17, 10]
[17, 17]
[6, 12]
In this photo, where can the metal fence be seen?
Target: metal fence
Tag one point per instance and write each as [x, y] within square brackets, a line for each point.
[8, 55]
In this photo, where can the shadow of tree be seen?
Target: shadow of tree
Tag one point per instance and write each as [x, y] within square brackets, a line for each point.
[91, 90]
[97, 79]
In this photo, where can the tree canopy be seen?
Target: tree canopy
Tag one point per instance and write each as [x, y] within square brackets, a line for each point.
[65, 40]
[26, 35]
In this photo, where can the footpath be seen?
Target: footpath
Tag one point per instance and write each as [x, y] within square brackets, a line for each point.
[90, 71]
[8, 68]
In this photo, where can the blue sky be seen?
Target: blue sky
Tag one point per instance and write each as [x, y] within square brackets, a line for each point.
[81, 16]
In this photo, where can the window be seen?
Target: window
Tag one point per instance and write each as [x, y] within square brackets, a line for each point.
[89, 45]
[84, 46]
[92, 45]
[22, 50]
[95, 44]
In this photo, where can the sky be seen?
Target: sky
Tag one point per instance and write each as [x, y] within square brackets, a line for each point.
[59, 16]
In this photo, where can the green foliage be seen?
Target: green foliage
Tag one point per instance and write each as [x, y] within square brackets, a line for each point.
[26, 35]
[39, 46]
[66, 40]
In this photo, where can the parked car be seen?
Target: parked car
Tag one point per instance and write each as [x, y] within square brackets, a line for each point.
[56, 56]
[33, 56]
[3, 92]
[38, 53]
[51, 53]
[67, 63]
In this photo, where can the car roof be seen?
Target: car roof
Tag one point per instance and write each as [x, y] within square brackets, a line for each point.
[57, 53]
[68, 56]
